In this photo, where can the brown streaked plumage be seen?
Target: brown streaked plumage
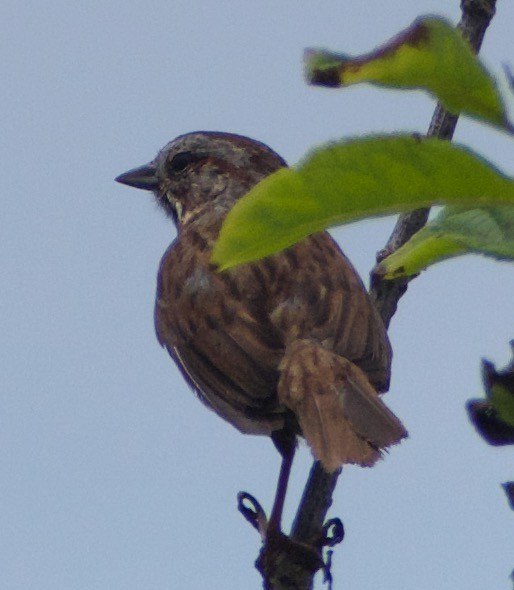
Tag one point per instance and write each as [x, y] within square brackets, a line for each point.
[288, 345]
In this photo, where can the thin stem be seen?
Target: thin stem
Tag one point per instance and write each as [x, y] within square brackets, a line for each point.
[476, 16]
[314, 505]
[317, 497]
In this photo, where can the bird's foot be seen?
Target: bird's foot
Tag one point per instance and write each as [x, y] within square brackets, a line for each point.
[283, 559]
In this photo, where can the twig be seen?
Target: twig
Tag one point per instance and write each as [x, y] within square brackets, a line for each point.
[317, 497]
[476, 16]
[316, 500]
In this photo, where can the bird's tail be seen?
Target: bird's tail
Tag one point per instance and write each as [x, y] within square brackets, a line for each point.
[340, 413]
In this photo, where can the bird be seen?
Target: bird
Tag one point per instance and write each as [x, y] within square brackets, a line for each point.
[287, 346]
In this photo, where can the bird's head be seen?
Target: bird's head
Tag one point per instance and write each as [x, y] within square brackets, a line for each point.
[201, 167]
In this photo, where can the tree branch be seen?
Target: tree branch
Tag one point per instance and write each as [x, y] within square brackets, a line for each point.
[476, 16]
[317, 497]
[314, 505]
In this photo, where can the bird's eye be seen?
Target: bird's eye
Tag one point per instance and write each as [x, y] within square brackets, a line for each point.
[180, 161]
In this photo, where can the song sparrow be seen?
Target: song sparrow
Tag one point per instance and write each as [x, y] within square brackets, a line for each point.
[290, 345]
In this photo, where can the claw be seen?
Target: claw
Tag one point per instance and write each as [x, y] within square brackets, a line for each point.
[333, 533]
[254, 513]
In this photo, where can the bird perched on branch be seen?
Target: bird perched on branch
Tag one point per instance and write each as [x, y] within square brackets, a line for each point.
[290, 345]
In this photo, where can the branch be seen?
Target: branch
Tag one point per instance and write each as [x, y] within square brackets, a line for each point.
[476, 16]
[317, 497]
[314, 505]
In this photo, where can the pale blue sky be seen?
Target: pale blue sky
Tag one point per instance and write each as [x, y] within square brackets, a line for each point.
[113, 475]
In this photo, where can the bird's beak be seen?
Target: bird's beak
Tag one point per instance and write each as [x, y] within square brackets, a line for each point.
[143, 177]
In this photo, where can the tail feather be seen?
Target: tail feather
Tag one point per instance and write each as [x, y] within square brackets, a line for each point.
[340, 413]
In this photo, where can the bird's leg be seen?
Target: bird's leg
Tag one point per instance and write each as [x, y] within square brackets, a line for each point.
[285, 442]
[282, 560]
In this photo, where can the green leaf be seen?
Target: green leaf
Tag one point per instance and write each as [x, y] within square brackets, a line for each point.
[430, 55]
[502, 400]
[493, 416]
[499, 389]
[353, 179]
[487, 230]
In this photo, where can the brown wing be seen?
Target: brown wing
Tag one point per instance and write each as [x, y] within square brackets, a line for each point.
[320, 295]
[222, 395]
[214, 326]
